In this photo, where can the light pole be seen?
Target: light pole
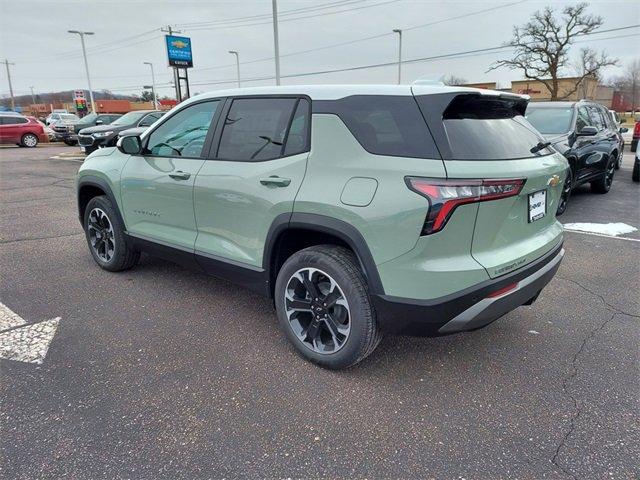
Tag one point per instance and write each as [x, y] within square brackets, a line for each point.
[275, 39]
[33, 97]
[153, 85]
[399, 32]
[233, 52]
[86, 64]
[13, 103]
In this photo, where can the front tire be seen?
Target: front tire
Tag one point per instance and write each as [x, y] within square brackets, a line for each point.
[323, 306]
[29, 140]
[106, 238]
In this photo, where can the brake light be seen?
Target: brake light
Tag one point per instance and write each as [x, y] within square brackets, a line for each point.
[445, 195]
[636, 130]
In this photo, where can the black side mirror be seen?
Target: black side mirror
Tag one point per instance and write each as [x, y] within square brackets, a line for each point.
[624, 129]
[588, 131]
[131, 145]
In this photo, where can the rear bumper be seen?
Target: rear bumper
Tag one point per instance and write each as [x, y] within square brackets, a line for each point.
[470, 309]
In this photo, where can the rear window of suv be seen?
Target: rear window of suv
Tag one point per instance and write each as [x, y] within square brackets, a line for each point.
[475, 128]
[383, 124]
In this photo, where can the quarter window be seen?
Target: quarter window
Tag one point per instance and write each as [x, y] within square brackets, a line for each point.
[255, 129]
[384, 124]
[184, 134]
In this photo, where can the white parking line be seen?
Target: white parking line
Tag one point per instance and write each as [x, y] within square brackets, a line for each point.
[24, 342]
[605, 236]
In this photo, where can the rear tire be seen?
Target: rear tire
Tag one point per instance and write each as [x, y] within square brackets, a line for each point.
[323, 306]
[603, 184]
[29, 140]
[106, 238]
[566, 194]
[635, 174]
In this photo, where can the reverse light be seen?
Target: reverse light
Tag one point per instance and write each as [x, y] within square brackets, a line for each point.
[445, 195]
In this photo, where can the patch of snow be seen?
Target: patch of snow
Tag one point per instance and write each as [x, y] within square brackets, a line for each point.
[613, 229]
[533, 332]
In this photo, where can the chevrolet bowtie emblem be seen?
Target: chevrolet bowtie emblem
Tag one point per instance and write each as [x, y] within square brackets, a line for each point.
[553, 181]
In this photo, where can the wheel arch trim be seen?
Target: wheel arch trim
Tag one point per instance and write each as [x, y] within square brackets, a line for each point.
[328, 225]
[93, 181]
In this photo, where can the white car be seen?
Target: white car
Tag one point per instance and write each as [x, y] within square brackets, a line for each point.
[56, 116]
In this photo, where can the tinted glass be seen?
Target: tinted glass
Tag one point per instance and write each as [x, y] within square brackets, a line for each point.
[184, 134]
[69, 116]
[8, 120]
[298, 137]
[383, 124]
[583, 119]
[255, 129]
[596, 118]
[129, 118]
[549, 120]
[489, 129]
[149, 120]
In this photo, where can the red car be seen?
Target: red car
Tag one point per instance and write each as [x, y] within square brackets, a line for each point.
[636, 137]
[20, 130]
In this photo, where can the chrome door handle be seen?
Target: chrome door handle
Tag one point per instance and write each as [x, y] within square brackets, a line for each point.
[180, 175]
[275, 180]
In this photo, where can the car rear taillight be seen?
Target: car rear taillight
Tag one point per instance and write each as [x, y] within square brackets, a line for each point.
[636, 130]
[445, 195]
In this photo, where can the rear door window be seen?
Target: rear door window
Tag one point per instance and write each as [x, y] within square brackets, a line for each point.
[479, 128]
[298, 136]
[384, 124]
[255, 129]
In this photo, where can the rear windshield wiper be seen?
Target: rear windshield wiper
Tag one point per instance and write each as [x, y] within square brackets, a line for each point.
[540, 146]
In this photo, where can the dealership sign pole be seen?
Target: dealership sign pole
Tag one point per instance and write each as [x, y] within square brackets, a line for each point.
[181, 59]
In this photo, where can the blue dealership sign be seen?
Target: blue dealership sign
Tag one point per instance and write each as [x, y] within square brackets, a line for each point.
[179, 51]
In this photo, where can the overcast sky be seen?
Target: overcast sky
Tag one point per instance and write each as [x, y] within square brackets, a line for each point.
[33, 35]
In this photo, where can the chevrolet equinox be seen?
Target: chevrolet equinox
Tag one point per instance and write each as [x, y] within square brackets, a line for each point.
[360, 210]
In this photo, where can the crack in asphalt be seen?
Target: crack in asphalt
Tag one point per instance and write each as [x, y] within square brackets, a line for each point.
[601, 297]
[577, 406]
[26, 239]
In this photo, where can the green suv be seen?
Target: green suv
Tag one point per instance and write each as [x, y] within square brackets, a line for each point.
[360, 210]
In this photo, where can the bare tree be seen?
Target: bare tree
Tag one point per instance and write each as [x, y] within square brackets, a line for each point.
[453, 80]
[542, 47]
[632, 77]
[629, 83]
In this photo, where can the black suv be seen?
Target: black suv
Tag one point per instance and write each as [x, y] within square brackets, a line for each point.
[92, 138]
[586, 135]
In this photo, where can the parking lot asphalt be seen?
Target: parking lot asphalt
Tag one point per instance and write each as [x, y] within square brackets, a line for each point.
[159, 372]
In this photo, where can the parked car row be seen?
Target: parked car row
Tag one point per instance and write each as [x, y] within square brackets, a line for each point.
[588, 137]
[92, 138]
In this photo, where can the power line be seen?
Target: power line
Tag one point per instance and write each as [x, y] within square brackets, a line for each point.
[296, 18]
[462, 54]
[372, 37]
[78, 53]
[284, 13]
